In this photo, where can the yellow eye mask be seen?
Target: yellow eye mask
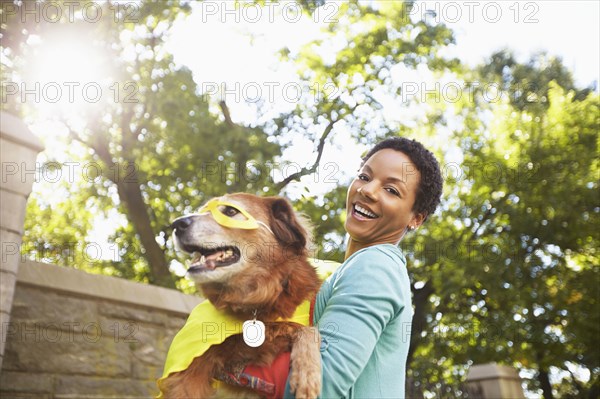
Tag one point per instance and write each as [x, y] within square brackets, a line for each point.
[223, 213]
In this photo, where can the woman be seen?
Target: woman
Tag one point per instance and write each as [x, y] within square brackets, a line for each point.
[363, 310]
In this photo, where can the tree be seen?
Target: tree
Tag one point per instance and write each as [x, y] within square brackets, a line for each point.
[527, 87]
[367, 45]
[511, 265]
[159, 150]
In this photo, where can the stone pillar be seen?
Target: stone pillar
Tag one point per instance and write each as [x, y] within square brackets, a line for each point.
[18, 151]
[494, 381]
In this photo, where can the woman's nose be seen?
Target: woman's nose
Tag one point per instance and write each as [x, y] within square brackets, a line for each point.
[368, 191]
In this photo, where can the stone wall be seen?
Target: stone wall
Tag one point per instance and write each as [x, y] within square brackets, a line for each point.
[77, 335]
[18, 152]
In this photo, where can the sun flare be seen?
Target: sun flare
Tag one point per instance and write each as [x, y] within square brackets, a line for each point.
[66, 75]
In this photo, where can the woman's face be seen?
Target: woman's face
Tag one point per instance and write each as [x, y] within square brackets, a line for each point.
[380, 199]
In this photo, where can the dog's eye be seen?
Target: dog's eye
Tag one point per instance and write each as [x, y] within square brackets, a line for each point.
[230, 211]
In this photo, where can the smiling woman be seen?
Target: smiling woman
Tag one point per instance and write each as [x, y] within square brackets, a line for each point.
[368, 298]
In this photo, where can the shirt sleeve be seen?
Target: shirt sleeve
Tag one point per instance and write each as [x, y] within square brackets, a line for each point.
[366, 296]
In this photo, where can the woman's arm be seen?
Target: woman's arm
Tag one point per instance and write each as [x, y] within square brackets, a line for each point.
[365, 297]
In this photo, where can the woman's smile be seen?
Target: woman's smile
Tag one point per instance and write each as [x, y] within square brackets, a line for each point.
[362, 212]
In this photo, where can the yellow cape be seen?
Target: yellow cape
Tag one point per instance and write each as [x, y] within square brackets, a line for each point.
[208, 326]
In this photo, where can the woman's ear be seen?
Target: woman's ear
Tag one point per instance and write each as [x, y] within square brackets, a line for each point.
[417, 220]
[285, 225]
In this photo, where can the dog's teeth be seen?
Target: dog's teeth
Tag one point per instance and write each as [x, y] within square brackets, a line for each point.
[198, 259]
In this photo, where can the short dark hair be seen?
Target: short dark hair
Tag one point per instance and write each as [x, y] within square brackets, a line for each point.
[431, 182]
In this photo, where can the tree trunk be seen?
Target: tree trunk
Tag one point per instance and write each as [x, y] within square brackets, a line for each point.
[594, 392]
[544, 380]
[412, 391]
[131, 195]
[419, 321]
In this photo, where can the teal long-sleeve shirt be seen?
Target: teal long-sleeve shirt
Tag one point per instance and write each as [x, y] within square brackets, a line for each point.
[364, 315]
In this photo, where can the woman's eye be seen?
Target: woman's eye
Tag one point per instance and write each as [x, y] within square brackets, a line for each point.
[393, 191]
[364, 177]
[230, 211]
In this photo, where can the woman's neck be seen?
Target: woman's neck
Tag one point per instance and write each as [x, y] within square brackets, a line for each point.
[352, 247]
[355, 246]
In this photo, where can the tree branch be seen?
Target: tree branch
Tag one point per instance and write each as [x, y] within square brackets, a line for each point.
[102, 151]
[486, 216]
[308, 170]
[128, 137]
[226, 113]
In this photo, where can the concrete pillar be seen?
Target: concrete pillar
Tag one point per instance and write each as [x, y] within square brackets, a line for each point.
[494, 381]
[18, 151]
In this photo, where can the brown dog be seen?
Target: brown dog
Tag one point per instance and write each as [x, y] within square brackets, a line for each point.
[250, 261]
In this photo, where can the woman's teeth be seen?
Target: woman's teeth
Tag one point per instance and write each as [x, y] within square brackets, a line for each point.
[364, 212]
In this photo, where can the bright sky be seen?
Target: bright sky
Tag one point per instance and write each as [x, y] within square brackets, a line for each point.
[566, 28]
[235, 50]
[224, 45]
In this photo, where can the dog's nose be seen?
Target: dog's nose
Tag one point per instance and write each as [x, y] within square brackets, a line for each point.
[181, 224]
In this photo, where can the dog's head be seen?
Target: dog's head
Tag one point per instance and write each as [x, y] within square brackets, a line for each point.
[236, 232]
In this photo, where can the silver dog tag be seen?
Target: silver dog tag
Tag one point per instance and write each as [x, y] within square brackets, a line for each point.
[253, 332]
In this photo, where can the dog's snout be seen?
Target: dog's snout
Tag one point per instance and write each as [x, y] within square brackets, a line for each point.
[181, 224]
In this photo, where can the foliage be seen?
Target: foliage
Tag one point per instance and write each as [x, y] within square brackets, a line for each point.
[513, 260]
[160, 152]
[506, 271]
[495, 272]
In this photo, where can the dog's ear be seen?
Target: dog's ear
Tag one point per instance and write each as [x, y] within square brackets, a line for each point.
[285, 225]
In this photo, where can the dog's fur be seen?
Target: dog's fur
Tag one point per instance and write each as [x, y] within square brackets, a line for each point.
[272, 277]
